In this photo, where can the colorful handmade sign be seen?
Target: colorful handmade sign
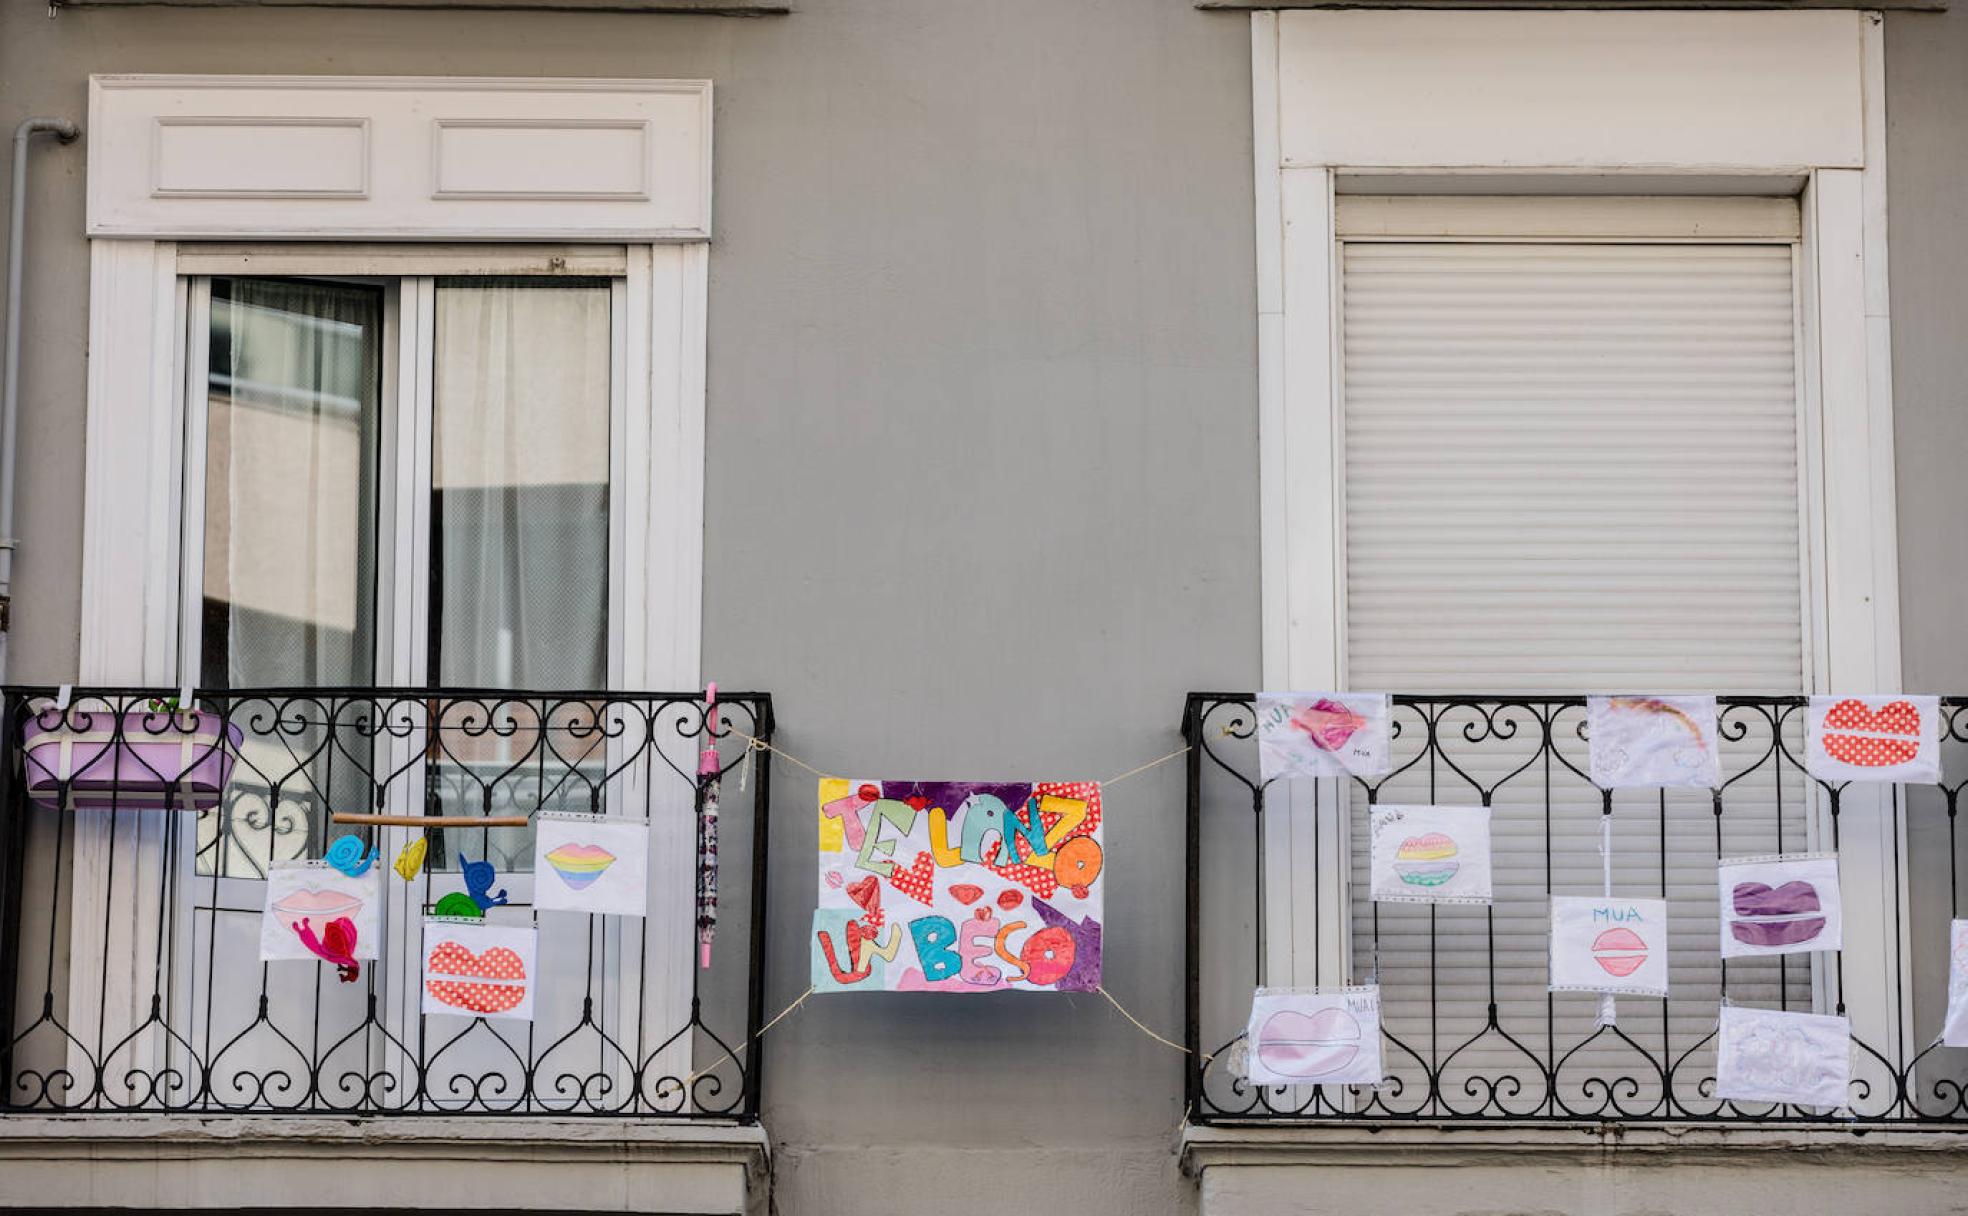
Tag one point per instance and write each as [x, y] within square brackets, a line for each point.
[959, 886]
[1323, 734]
[1766, 1055]
[590, 863]
[1649, 742]
[1314, 1036]
[475, 968]
[1604, 944]
[1954, 1032]
[303, 898]
[1886, 738]
[1431, 854]
[1786, 904]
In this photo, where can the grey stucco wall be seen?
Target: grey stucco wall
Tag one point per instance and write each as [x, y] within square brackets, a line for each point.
[980, 494]
[1927, 228]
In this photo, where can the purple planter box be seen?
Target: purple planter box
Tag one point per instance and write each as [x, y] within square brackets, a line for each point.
[138, 760]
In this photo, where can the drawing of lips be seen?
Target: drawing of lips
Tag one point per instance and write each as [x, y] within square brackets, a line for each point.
[1894, 737]
[1294, 1044]
[321, 904]
[1776, 916]
[580, 864]
[1328, 723]
[1620, 952]
[1426, 860]
[493, 982]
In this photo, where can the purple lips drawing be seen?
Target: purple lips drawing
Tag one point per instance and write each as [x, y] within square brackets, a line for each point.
[1788, 915]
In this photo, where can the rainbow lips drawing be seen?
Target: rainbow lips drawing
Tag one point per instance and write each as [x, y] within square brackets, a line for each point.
[580, 864]
[1327, 723]
[1788, 915]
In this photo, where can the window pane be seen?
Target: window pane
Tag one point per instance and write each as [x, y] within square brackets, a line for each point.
[294, 385]
[519, 531]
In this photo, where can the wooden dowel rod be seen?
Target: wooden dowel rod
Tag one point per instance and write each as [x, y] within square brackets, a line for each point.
[433, 821]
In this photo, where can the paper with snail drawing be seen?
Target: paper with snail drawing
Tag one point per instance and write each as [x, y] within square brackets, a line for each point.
[1768, 1055]
[1431, 854]
[311, 895]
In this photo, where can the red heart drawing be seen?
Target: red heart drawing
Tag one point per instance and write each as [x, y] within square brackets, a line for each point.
[1870, 751]
[492, 982]
[1009, 899]
[918, 881]
[866, 894]
[917, 801]
[966, 893]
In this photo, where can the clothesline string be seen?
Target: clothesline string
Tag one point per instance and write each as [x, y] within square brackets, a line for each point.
[755, 744]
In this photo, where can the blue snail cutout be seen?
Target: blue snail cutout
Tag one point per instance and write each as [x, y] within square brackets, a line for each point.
[479, 877]
[347, 856]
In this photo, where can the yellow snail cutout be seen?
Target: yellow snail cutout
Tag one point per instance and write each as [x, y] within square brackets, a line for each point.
[411, 859]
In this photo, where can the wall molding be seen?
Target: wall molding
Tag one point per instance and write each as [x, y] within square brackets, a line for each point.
[185, 157]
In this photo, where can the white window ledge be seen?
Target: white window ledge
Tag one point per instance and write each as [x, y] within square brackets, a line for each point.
[1585, 1169]
[179, 1162]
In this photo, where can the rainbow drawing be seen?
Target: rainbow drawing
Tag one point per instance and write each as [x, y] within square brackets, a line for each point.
[580, 864]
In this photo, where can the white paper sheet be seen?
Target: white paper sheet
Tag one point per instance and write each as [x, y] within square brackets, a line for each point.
[1314, 1036]
[1879, 738]
[1609, 945]
[1323, 734]
[1431, 854]
[1786, 904]
[315, 892]
[1649, 742]
[590, 863]
[475, 969]
[1765, 1055]
[1955, 1032]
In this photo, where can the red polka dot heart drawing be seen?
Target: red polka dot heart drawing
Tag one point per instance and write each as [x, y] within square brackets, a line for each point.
[1893, 733]
[493, 982]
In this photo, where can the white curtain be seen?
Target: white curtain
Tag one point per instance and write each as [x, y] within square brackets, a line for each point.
[520, 532]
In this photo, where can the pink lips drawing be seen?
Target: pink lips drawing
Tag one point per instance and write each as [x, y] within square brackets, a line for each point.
[1293, 1044]
[1328, 723]
[320, 904]
[1789, 915]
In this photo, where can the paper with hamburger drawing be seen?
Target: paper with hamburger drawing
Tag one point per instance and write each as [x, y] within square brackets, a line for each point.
[476, 969]
[1650, 742]
[1314, 1036]
[1886, 738]
[1431, 854]
[1766, 1055]
[304, 898]
[1604, 944]
[590, 863]
[1786, 904]
[1323, 734]
[1954, 1032]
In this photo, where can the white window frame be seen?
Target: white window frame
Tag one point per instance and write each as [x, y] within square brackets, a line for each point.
[134, 467]
[1623, 112]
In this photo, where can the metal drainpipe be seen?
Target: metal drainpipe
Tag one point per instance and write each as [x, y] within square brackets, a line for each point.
[66, 132]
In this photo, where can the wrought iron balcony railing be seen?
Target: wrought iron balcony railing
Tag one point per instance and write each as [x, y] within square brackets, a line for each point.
[1277, 896]
[135, 840]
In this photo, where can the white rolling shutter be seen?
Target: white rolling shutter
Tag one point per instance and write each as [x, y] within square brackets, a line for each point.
[1569, 467]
